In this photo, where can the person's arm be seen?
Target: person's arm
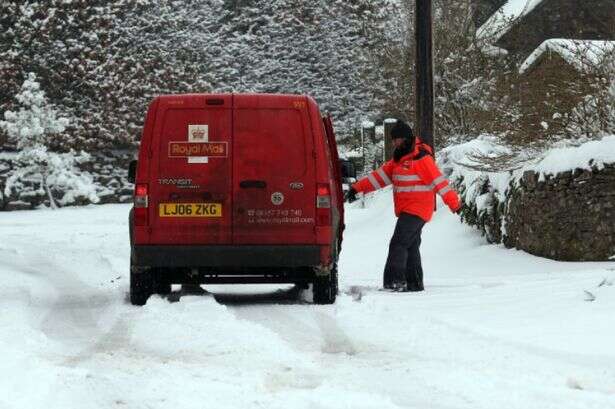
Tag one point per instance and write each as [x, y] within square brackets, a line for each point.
[431, 175]
[377, 179]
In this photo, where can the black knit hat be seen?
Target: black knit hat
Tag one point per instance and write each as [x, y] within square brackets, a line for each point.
[401, 130]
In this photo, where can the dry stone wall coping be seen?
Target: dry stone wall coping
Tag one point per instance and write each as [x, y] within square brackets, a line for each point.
[568, 216]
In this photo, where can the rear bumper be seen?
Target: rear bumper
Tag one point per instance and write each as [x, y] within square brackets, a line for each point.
[227, 256]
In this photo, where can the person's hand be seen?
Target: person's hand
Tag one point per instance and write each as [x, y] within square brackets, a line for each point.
[351, 195]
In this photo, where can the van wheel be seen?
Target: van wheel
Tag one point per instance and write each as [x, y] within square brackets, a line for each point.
[141, 284]
[325, 287]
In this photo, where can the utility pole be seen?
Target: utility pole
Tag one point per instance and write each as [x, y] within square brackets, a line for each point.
[424, 71]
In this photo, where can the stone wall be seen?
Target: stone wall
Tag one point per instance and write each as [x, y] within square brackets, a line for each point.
[109, 170]
[569, 216]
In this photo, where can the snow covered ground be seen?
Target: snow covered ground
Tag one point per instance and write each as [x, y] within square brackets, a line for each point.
[496, 328]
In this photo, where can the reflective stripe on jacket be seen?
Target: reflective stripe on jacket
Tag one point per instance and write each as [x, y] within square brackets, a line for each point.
[415, 179]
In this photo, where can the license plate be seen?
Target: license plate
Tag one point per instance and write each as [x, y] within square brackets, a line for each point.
[190, 210]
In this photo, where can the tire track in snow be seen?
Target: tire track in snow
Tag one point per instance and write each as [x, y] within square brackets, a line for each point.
[77, 310]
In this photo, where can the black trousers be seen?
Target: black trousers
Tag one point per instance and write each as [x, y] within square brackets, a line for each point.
[404, 259]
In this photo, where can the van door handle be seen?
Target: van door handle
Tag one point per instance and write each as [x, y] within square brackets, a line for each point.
[257, 184]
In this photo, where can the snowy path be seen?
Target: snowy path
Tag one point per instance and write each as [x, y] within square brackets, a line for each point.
[496, 328]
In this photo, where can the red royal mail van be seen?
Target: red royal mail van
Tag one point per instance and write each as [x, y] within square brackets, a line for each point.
[235, 188]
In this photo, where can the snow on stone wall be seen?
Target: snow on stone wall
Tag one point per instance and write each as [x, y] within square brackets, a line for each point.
[561, 207]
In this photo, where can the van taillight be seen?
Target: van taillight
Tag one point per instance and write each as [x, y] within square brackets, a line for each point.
[141, 204]
[323, 205]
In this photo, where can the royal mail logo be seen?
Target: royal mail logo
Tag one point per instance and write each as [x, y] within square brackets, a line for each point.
[198, 149]
[198, 134]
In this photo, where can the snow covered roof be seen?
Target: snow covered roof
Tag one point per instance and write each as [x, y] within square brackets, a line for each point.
[502, 20]
[582, 54]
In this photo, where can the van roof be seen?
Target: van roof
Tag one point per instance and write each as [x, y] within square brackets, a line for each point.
[246, 100]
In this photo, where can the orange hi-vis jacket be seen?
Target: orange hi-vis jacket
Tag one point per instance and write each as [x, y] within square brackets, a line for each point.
[415, 178]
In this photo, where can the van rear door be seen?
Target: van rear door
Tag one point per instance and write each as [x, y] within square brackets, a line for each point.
[337, 174]
[274, 184]
[190, 181]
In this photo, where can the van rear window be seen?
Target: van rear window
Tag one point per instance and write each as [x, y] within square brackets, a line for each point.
[272, 139]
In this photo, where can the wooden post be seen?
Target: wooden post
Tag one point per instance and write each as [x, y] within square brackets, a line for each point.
[424, 71]
[388, 143]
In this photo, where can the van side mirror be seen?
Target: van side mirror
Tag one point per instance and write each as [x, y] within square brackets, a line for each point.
[348, 169]
[132, 171]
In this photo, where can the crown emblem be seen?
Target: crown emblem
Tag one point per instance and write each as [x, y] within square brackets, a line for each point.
[198, 134]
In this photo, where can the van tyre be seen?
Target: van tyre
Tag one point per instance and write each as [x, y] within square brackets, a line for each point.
[325, 288]
[141, 284]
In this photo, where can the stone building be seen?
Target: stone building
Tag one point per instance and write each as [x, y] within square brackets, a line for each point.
[521, 26]
[557, 76]
[553, 47]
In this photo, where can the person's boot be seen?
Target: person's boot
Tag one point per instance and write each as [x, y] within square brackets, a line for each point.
[415, 279]
[388, 279]
[416, 287]
[399, 286]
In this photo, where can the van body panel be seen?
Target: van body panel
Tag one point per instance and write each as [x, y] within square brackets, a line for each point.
[274, 185]
[337, 192]
[323, 234]
[191, 200]
[323, 173]
[141, 234]
[277, 152]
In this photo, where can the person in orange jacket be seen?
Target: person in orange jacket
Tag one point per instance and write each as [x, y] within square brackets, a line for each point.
[416, 179]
